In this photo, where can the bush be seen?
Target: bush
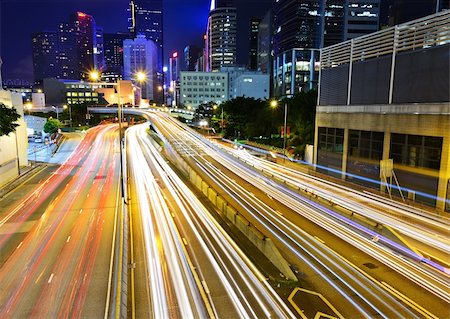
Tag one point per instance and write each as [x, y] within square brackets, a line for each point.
[51, 126]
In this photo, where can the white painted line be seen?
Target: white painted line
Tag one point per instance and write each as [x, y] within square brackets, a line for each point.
[81, 210]
[278, 212]
[19, 245]
[269, 196]
[205, 286]
[51, 277]
[319, 239]
[87, 195]
[68, 239]
[184, 241]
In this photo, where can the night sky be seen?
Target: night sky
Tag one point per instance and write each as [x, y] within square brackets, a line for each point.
[184, 23]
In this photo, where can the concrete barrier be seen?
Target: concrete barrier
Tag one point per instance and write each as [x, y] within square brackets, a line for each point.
[264, 244]
[221, 204]
[231, 214]
[212, 195]
[205, 188]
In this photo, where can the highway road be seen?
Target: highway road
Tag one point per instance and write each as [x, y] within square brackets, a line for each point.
[341, 259]
[424, 232]
[187, 266]
[56, 241]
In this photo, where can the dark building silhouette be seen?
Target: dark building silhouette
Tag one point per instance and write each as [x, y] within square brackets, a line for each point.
[113, 49]
[253, 54]
[191, 54]
[77, 45]
[402, 11]
[45, 53]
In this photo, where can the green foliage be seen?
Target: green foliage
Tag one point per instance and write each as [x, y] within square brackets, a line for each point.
[8, 119]
[52, 125]
[250, 118]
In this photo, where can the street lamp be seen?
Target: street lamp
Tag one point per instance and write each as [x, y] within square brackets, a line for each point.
[57, 111]
[94, 75]
[274, 104]
[221, 115]
[28, 106]
[65, 107]
[141, 76]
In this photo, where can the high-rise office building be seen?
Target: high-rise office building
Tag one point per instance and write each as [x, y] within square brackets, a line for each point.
[113, 48]
[77, 40]
[99, 53]
[265, 32]
[45, 52]
[140, 55]
[303, 27]
[221, 35]
[402, 11]
[253, 54]
[361, 17]
[191, 54]
[146, 18]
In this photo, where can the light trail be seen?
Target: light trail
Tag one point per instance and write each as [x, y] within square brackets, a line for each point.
[197, 147]
[222, 253]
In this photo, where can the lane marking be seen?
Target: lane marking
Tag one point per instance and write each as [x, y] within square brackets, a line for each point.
[81, 210]
[319, 239]
[205, 286]
[68, 239]
[20, 244]
[269, 196]
[184, 241]
[409, 302]
[51, 278]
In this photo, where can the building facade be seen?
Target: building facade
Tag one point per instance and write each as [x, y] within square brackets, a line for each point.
[265, 31]
[74, 92]
[113, 48]
[146, 18]
[13, 151]
[191, 55]
[386, 96]
[77, 45]
[220, 43]
[361, 17]
[45, 53]
[303, 27]
[140, 55]
[203, 87]
[253, 53]
[253, 85]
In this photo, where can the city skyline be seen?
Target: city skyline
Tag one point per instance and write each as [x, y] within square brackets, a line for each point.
[190, 16]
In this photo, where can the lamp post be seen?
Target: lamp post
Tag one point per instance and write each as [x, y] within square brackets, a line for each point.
[57, 111]
[221, 116]
[274, 104]
[29, 106]
[65, 107]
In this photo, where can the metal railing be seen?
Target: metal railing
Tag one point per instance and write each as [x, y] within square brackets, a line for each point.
[432, 30]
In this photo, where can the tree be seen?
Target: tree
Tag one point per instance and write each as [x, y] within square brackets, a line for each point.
[52, 125]
[8, 119]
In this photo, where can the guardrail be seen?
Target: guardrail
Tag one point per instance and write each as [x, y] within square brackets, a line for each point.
[433, 30]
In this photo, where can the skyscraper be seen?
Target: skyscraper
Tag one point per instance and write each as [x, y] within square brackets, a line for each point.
[146, 18]
[191, 54]
[253, 54]
[265, 31]
[99, 54]
[45, 51]
[113, 50]
[221, 35]
[361, 17]
[407, 10]
[77, 45]
[140, 55]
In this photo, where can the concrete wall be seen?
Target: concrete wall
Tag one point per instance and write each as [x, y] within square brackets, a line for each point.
[14, 146]
[414, 124]
[264, 244]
